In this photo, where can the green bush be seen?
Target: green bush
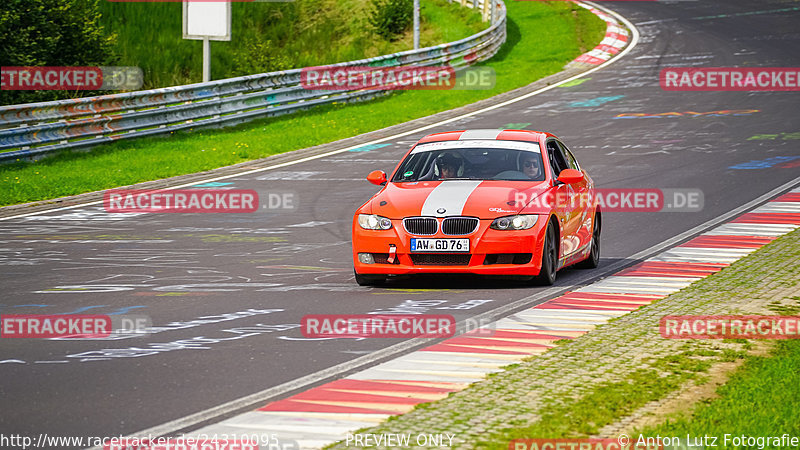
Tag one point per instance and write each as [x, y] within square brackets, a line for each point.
[261, 56]
[390, 18]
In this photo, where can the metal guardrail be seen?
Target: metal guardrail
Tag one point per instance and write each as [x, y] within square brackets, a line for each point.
[32, 130]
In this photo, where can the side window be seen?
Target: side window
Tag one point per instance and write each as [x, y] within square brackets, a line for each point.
[571, 161]
[556, 157]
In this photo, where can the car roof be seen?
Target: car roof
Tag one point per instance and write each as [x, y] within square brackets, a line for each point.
[487, 134]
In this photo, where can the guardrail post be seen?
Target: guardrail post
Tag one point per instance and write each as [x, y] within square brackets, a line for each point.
[485, 10]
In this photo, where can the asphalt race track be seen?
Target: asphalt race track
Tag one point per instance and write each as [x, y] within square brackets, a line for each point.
[252, 277]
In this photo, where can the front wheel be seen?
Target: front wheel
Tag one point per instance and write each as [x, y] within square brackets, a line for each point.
[547, 273]
[368, 280]
[594, 254]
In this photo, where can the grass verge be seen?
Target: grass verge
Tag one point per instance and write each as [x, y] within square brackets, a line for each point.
[760, 400]
[526, 57]
[604, 403]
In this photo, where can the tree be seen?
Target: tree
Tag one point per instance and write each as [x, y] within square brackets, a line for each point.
[51, 33]
[390, 18]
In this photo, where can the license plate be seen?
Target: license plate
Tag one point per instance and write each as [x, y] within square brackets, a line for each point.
[439, 245]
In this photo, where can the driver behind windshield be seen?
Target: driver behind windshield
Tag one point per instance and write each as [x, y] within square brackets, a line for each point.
[531, 166]
[449, 165]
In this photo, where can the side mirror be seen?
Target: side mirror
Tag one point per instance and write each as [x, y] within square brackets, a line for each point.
[377, 177]
[570, 176]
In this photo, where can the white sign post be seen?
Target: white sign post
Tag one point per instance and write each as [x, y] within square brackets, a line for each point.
[209, 21]
[416, 24]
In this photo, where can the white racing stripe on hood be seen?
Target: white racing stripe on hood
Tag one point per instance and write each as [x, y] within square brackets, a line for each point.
[450, 195]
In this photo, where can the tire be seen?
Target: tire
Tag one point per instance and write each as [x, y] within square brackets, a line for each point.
[594, 255]
[547, 274]
[369, 280]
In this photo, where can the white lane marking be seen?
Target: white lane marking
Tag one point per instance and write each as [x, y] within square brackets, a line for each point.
[638, 285]
[405, 364]
[466, 363]
[751, 229]
[356, 417]
[408, 375]
[516, 324]
[555, 326]
[312, 224]
[634, 41]
[694, 254]
[291, 175]
[693, 259]
[540, 319]
[656, 281]
[778, 207]
[569, 314]
[713, 251]
[506, 358]
[628, 289]
[451, 196]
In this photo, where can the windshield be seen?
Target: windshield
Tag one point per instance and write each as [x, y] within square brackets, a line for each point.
[472, 160]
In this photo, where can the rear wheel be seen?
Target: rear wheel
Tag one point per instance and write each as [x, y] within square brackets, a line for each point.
[369, 280]
[594, 255]
[547, 274]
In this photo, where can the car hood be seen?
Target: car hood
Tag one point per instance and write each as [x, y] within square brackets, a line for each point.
[483, 199]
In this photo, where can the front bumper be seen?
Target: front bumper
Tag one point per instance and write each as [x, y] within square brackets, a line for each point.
[492, 252]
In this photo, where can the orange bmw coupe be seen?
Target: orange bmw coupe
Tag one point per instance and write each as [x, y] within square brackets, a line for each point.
[488, 202]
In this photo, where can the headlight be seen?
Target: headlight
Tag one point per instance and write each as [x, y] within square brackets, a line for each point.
[521, 222]
[374, 222]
